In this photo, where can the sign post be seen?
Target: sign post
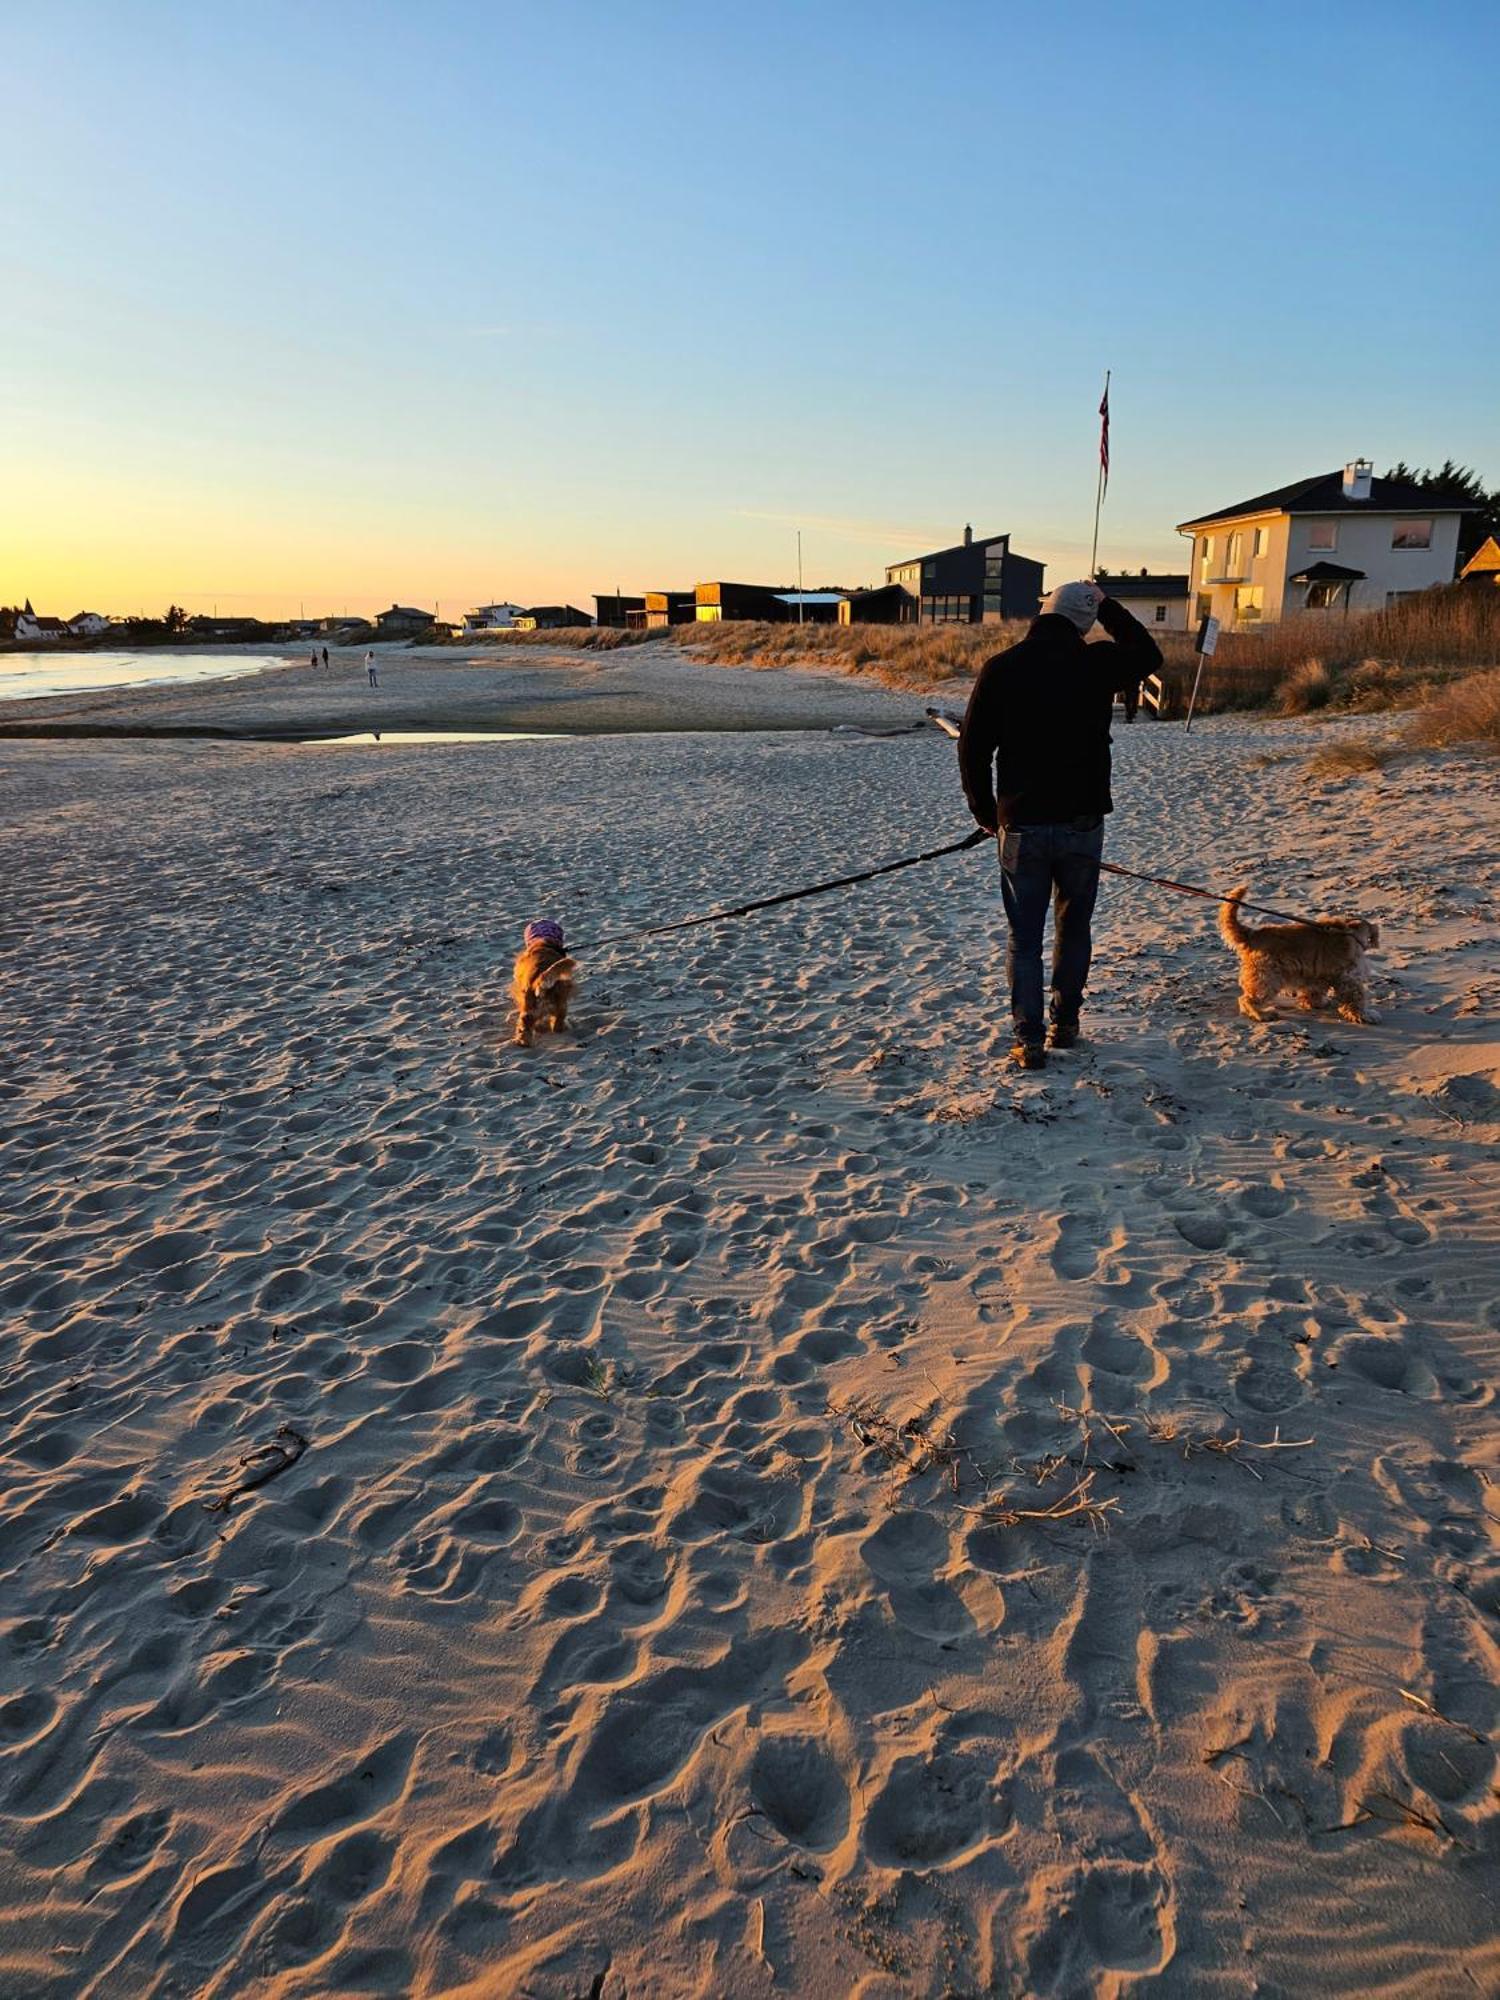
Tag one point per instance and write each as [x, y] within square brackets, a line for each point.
[1206, 642]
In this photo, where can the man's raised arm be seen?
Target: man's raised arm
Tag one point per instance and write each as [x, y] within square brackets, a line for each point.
[1136, 652]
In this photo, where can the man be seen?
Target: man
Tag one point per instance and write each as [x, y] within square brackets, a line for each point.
[370, 669]
[1034, 756]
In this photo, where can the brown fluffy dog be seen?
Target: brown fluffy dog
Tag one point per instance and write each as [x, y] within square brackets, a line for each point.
[541, 985]
[1311, 958]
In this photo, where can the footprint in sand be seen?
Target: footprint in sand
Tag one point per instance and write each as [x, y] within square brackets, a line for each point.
[1265, 1202]
[800, 1789]
[1075, 1254]
[1117, 1352]
[1112, 1918]
[1203, 1231]
[932, 1810]
[1267, 1386]
[905, 1552]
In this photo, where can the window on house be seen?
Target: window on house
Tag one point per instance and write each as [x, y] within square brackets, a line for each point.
[1258, 542]
[1232, 554]
[1322, 534]
[1412, 535]
[1208, 559]
[1249, 604]
[1203, 608]
[1161, 614]
[1324, 596]
[929, 571]
[994, 568]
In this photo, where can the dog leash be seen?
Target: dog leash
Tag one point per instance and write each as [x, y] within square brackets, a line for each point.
[1212, 895]
[912, 861]
[796, 895]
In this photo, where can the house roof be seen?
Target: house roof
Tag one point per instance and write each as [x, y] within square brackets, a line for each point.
[1142, 586]
[1324, 572]
[980, 542]
[1484, 559]
[405, 611]
[1324, 494]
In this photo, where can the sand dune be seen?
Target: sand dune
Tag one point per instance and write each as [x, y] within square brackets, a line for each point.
[788, 1507]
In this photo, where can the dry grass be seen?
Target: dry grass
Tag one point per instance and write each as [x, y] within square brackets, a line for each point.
[1457, 713]
[567, 638]
[897, 655]
[1307, 686]
[1375, 660]
[1465, 711]
[1348, 760]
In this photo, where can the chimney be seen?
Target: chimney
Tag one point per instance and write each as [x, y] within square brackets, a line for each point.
[1357, 476]
[968, 536]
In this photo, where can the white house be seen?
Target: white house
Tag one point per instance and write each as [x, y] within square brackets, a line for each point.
[88, 625]
[1342, 541]
[493, 617]
[1160, 602]
[31, 630]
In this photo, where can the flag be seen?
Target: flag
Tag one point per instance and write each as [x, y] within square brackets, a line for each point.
[1104, 438]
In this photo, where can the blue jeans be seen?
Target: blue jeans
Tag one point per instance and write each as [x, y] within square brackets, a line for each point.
[1041, 864]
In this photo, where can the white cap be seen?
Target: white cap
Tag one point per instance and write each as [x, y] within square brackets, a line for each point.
[1076, 601]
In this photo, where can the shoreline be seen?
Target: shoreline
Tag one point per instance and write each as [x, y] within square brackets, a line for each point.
[638, 690]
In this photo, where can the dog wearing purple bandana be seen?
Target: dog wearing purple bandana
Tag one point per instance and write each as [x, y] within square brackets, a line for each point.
[542, 982]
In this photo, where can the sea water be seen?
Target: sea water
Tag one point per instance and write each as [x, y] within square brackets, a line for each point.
[24, 676]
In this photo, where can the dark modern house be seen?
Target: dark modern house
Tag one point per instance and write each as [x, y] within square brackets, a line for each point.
[623, 613]
[973, 583]
[670, 607]
[1158, 600]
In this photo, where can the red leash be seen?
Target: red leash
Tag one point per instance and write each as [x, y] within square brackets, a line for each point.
[1210, 895]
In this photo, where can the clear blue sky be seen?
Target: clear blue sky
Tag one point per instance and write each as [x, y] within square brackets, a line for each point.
[335, 302]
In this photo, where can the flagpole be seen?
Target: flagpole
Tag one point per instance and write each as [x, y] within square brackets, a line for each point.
[1099, 487]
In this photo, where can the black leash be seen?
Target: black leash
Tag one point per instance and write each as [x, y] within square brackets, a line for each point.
[796, 895]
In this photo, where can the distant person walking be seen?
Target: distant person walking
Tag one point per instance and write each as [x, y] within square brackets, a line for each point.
[325, 656]
[313, 660]
[1034, 758]
[370, 670]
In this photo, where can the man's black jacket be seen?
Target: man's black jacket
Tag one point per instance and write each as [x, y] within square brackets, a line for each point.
[1035, 742]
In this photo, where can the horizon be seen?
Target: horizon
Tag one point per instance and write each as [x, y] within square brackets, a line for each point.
[486, 307]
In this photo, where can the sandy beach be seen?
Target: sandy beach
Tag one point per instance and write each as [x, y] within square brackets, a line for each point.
[638, 688]
[788, 1507]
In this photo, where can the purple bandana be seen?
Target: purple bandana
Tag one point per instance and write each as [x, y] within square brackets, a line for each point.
[544, 931]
